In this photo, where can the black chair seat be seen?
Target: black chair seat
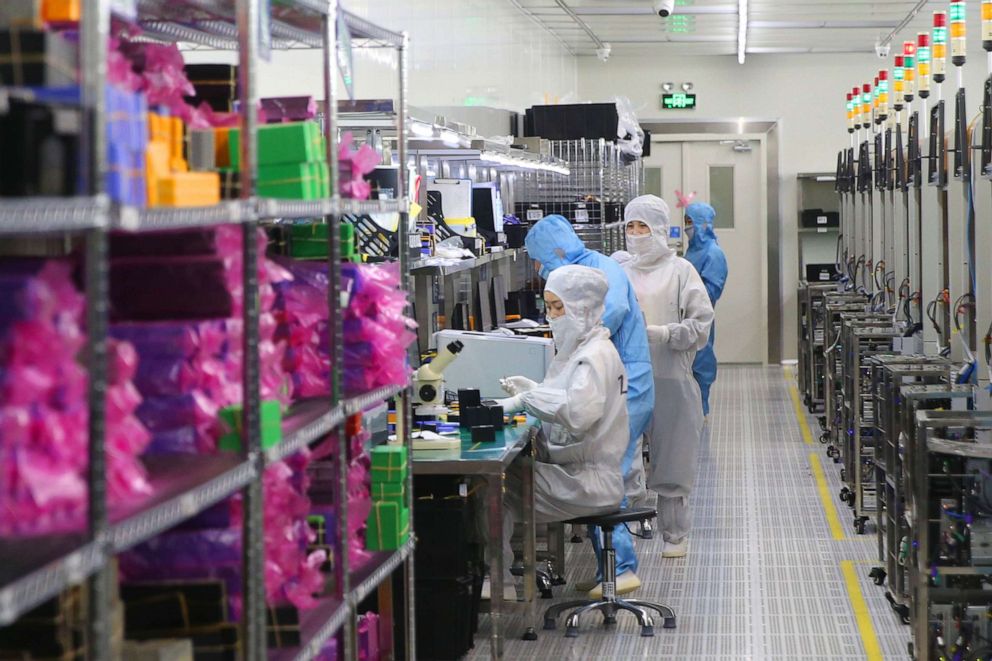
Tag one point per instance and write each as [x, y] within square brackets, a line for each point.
[616, 518]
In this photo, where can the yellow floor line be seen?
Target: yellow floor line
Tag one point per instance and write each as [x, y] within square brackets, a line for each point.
[797, 406]
[829, 510]
[873, 652]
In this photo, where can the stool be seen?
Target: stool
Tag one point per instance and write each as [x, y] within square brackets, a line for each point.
[609, 605]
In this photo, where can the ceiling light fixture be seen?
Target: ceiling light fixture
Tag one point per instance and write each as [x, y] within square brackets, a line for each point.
[667, 87]
[741, 30]
[687, 87]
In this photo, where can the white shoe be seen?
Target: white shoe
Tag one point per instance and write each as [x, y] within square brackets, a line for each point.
[679, 550]
[509, 591]
[626, 582]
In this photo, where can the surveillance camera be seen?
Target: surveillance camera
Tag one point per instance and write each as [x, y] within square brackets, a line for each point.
[664, 8]
[603, 52]
[882, 50]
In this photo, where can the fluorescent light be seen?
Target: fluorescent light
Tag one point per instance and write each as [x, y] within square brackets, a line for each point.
[741, 30]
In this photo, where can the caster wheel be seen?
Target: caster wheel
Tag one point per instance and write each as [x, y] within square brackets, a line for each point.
[878, 576]
[530, 634]
[905, 620]
[576, 539]
[843, 473]
[610, 621]
[550, 624]
[558, 580]
[859, 526]
[843, 494]
[547, 594]
[571, 632]
[837, 459]
[823, 421]
[669, 622]
[647, 632]
[824, 438]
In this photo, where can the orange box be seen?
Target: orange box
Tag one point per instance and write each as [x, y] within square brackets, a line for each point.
[222, 147]
[60, 11]
[189, 189]
[156, 167]
[176, 135]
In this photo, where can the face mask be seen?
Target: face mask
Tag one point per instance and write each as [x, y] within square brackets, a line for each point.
[639, 244]
[690, 231]
[565, 332]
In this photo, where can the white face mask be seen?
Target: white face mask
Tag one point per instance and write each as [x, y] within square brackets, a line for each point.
[645, 247]
[565, 332]
[690, 230]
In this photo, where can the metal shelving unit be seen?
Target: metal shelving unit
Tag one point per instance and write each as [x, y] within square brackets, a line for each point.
[34, 570]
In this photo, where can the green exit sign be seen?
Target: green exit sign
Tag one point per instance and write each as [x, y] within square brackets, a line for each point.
[678, 101]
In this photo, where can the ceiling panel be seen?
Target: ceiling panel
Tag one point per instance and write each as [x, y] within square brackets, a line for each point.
[711, 26]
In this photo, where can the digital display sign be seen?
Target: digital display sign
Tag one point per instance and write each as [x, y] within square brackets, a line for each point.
[678, 101]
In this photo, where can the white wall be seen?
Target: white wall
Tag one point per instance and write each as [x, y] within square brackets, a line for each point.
[805, 92]
[481, 51]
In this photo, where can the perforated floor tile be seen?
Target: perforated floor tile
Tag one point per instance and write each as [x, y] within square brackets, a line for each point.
[763, 578]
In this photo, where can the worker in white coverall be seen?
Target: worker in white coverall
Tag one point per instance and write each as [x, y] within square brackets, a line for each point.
[582, 406]
[678, 314]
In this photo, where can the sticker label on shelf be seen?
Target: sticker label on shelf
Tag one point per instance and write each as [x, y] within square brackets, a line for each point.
[821, 220]
[535, 214]
[821, 230]
[582, 215]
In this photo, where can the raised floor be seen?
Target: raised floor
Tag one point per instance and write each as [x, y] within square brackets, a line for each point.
[775, 569]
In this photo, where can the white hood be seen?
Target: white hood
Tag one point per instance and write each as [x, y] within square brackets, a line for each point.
[649, 251]
[583, 291]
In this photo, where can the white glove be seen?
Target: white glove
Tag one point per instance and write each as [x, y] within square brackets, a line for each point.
[658, 334]
[511, 404]
[515, 385]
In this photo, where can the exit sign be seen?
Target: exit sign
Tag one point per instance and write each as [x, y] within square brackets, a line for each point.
[678, 101]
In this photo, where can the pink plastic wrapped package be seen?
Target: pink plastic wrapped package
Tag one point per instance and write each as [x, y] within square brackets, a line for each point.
[354, 165]
[368, 637]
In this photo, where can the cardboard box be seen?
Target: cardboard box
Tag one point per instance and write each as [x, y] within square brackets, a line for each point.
[189, 189]
[280, 144]
[231, 417]
[37, 58]
[389, 463]
[295, 181]
[388, 527]
[389, 492]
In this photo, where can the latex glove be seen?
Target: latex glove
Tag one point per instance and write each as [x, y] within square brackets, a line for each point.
[658, 334]
[515, 385]
[511, 404]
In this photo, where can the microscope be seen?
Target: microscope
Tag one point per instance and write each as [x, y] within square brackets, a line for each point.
[428, 382]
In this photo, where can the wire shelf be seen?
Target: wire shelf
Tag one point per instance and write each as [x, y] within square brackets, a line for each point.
[41, 215]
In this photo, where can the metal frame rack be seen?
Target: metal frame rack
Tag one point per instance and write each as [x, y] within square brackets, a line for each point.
[891, 376]
[859, 450]
[951, 544]
[812, 342]
[834, 306]
[593, 197]
[34, 570]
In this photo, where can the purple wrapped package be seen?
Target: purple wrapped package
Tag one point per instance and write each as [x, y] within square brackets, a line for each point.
[183, 440]
[152, 288]
[189, 410]
[289, 109]
[368, 637]
[329, 652]
[160, 339]
[167, 377]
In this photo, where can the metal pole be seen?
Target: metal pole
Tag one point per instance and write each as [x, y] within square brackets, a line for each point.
[403, 412]
[336, 328]
[253, 616]
[95, 31]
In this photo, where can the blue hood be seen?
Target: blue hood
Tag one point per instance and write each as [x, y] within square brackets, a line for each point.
[702, 216]
[554, 243]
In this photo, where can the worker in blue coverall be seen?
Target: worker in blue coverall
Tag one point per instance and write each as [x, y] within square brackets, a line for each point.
[553, 243]
[707, 256]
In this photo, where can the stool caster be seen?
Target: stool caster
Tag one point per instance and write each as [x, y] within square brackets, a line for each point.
[878, 575]
[530, 634]
[669, 622]
[550, 624]
[647, 632]
[647, 531]
[572, 632]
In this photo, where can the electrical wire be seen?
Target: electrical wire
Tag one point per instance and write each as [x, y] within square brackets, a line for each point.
[942, 297]
[968, 370]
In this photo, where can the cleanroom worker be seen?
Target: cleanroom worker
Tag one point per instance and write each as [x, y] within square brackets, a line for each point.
[707, 256]
[581, 403]
[552, 244]
[678, 314]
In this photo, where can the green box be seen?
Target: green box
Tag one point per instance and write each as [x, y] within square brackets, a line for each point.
[290, 181]
[389, 492]
[308, 241]
[388, 527]
[389, 463]
[324, 174]
[278, 144]
[230, 417]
